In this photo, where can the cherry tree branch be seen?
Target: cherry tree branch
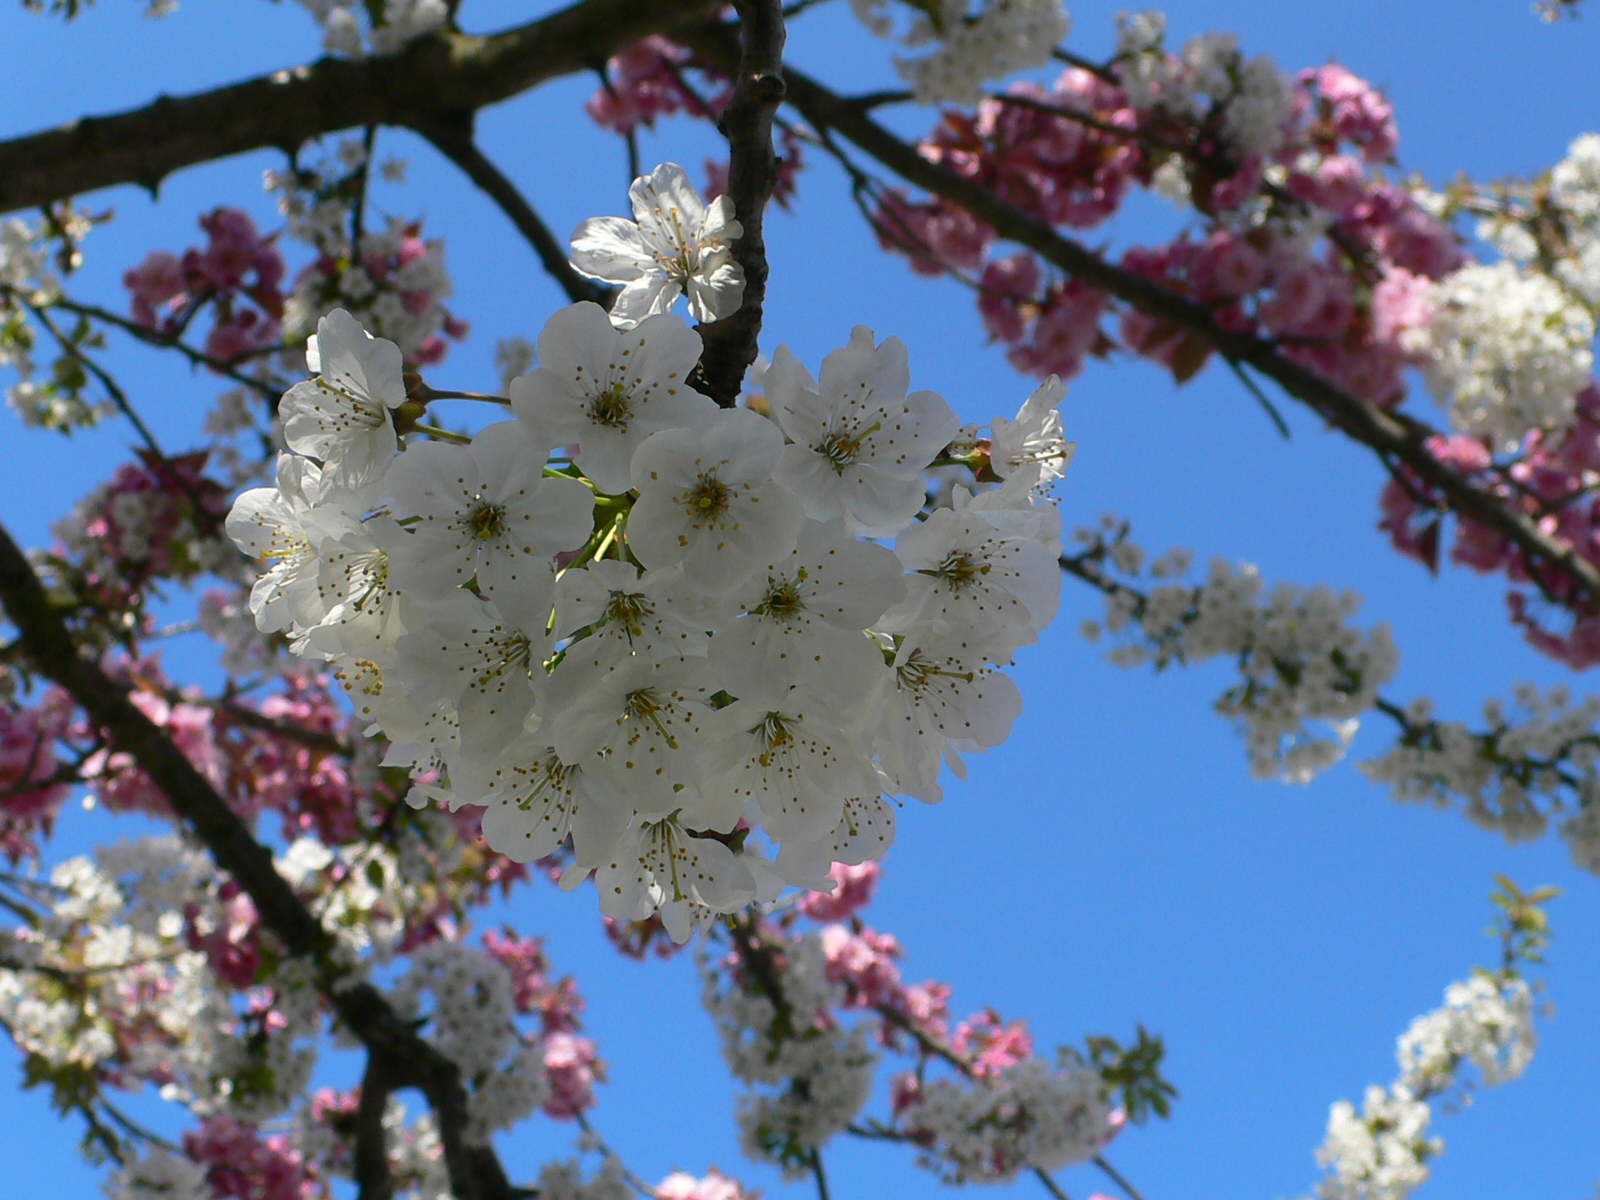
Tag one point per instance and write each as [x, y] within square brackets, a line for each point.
[456, 143]
[447, 73]
[1394, 437]
[731, 344]
[407, 1059]
[371, 1166]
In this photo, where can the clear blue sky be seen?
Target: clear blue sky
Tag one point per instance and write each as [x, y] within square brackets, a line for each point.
[1112, 863]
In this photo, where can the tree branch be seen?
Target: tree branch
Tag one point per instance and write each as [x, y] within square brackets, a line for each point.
[371, 1167]
[448, 73]
[731, 344]
[1395, 437]
[408, 1060]
[456, 143]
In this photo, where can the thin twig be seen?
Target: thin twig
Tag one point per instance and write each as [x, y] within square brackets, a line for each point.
[457, 144]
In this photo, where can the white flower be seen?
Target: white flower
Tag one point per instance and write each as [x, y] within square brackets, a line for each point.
[1007, 36]
[939, 692]
[633, 612]
[970, 580]
[487, 509]
[860, 443]
[793, 760]
[634, 724]
[343, 416]
[805, 611]
[676, 243]
[659, 865]
[1507, 351]
[273, 522]
[707, 500]
[607, 389]
[535, 800]
[1031, 446]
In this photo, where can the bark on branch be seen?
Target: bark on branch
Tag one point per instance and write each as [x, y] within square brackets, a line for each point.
[443, 77]
[406, 1059]
[731, 344]
[1396, 438]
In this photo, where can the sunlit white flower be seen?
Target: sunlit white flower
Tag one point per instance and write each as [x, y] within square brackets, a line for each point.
[707, 499]
[676, 243]
[1032, 445]
[344, 416]
[860, 443]
[487, 510]
[660, 865]
[606, 390]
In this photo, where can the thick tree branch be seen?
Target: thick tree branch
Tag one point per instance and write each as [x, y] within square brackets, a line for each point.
[372, 1174]
[731, 344]
[447, 74]
[1396, 438]
[407, 1060]
[456, 143]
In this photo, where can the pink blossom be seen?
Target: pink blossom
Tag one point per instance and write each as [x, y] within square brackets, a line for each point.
[1008, 295]
[1360, 114]
[1337, 186]
[645, 82]
[864, 962]
[245, 1165]
[936, 236]
[156, 283]
[1066, 331]
[856, 887]
[233, 947]
[714, 1186]
[990, 1045]
[1227, 266]
[571, 1065]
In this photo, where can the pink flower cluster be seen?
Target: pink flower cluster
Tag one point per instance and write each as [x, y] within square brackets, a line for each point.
[239, 272]
[714, 1186]
[243, 1164]
[647, 81]
[30, 795]
[157, 518]
[572, 1063]
[1343, 312]
[1552, 482]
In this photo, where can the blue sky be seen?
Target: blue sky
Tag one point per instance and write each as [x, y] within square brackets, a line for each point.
[1112, 863]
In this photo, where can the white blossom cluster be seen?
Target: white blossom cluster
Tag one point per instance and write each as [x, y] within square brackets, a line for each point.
[1308, 675]
[159, 1174]
[1000, 39]
[1541, 749]
[1028, 1115]
[1569, 249]
[403, 21]
[471, 1022]
[1382, 1153]
[1249, 99]
[147, 1001]
[1485, 1020]
[687, 619]
[1507, 351]
[807, 1077]
[406, 306]
[25, 265]
[417, 1164]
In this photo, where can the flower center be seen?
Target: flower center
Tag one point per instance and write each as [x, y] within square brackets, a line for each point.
[629, 610]
[841, 450]
[486, 520]
[363, 410]
[709, 498]
[959, 571]
[646, 705]
[613, 407]
[784, 598]
[547, 775]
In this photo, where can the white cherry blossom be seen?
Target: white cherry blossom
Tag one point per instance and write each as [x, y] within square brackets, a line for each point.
[535, 800]
[1032, 447]
[487, 510]
[605, 390]
[707, 500]
[275, 523]
[659, 865]
[860, 443]
[344, 416]
[676, 243]
[633, 611]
